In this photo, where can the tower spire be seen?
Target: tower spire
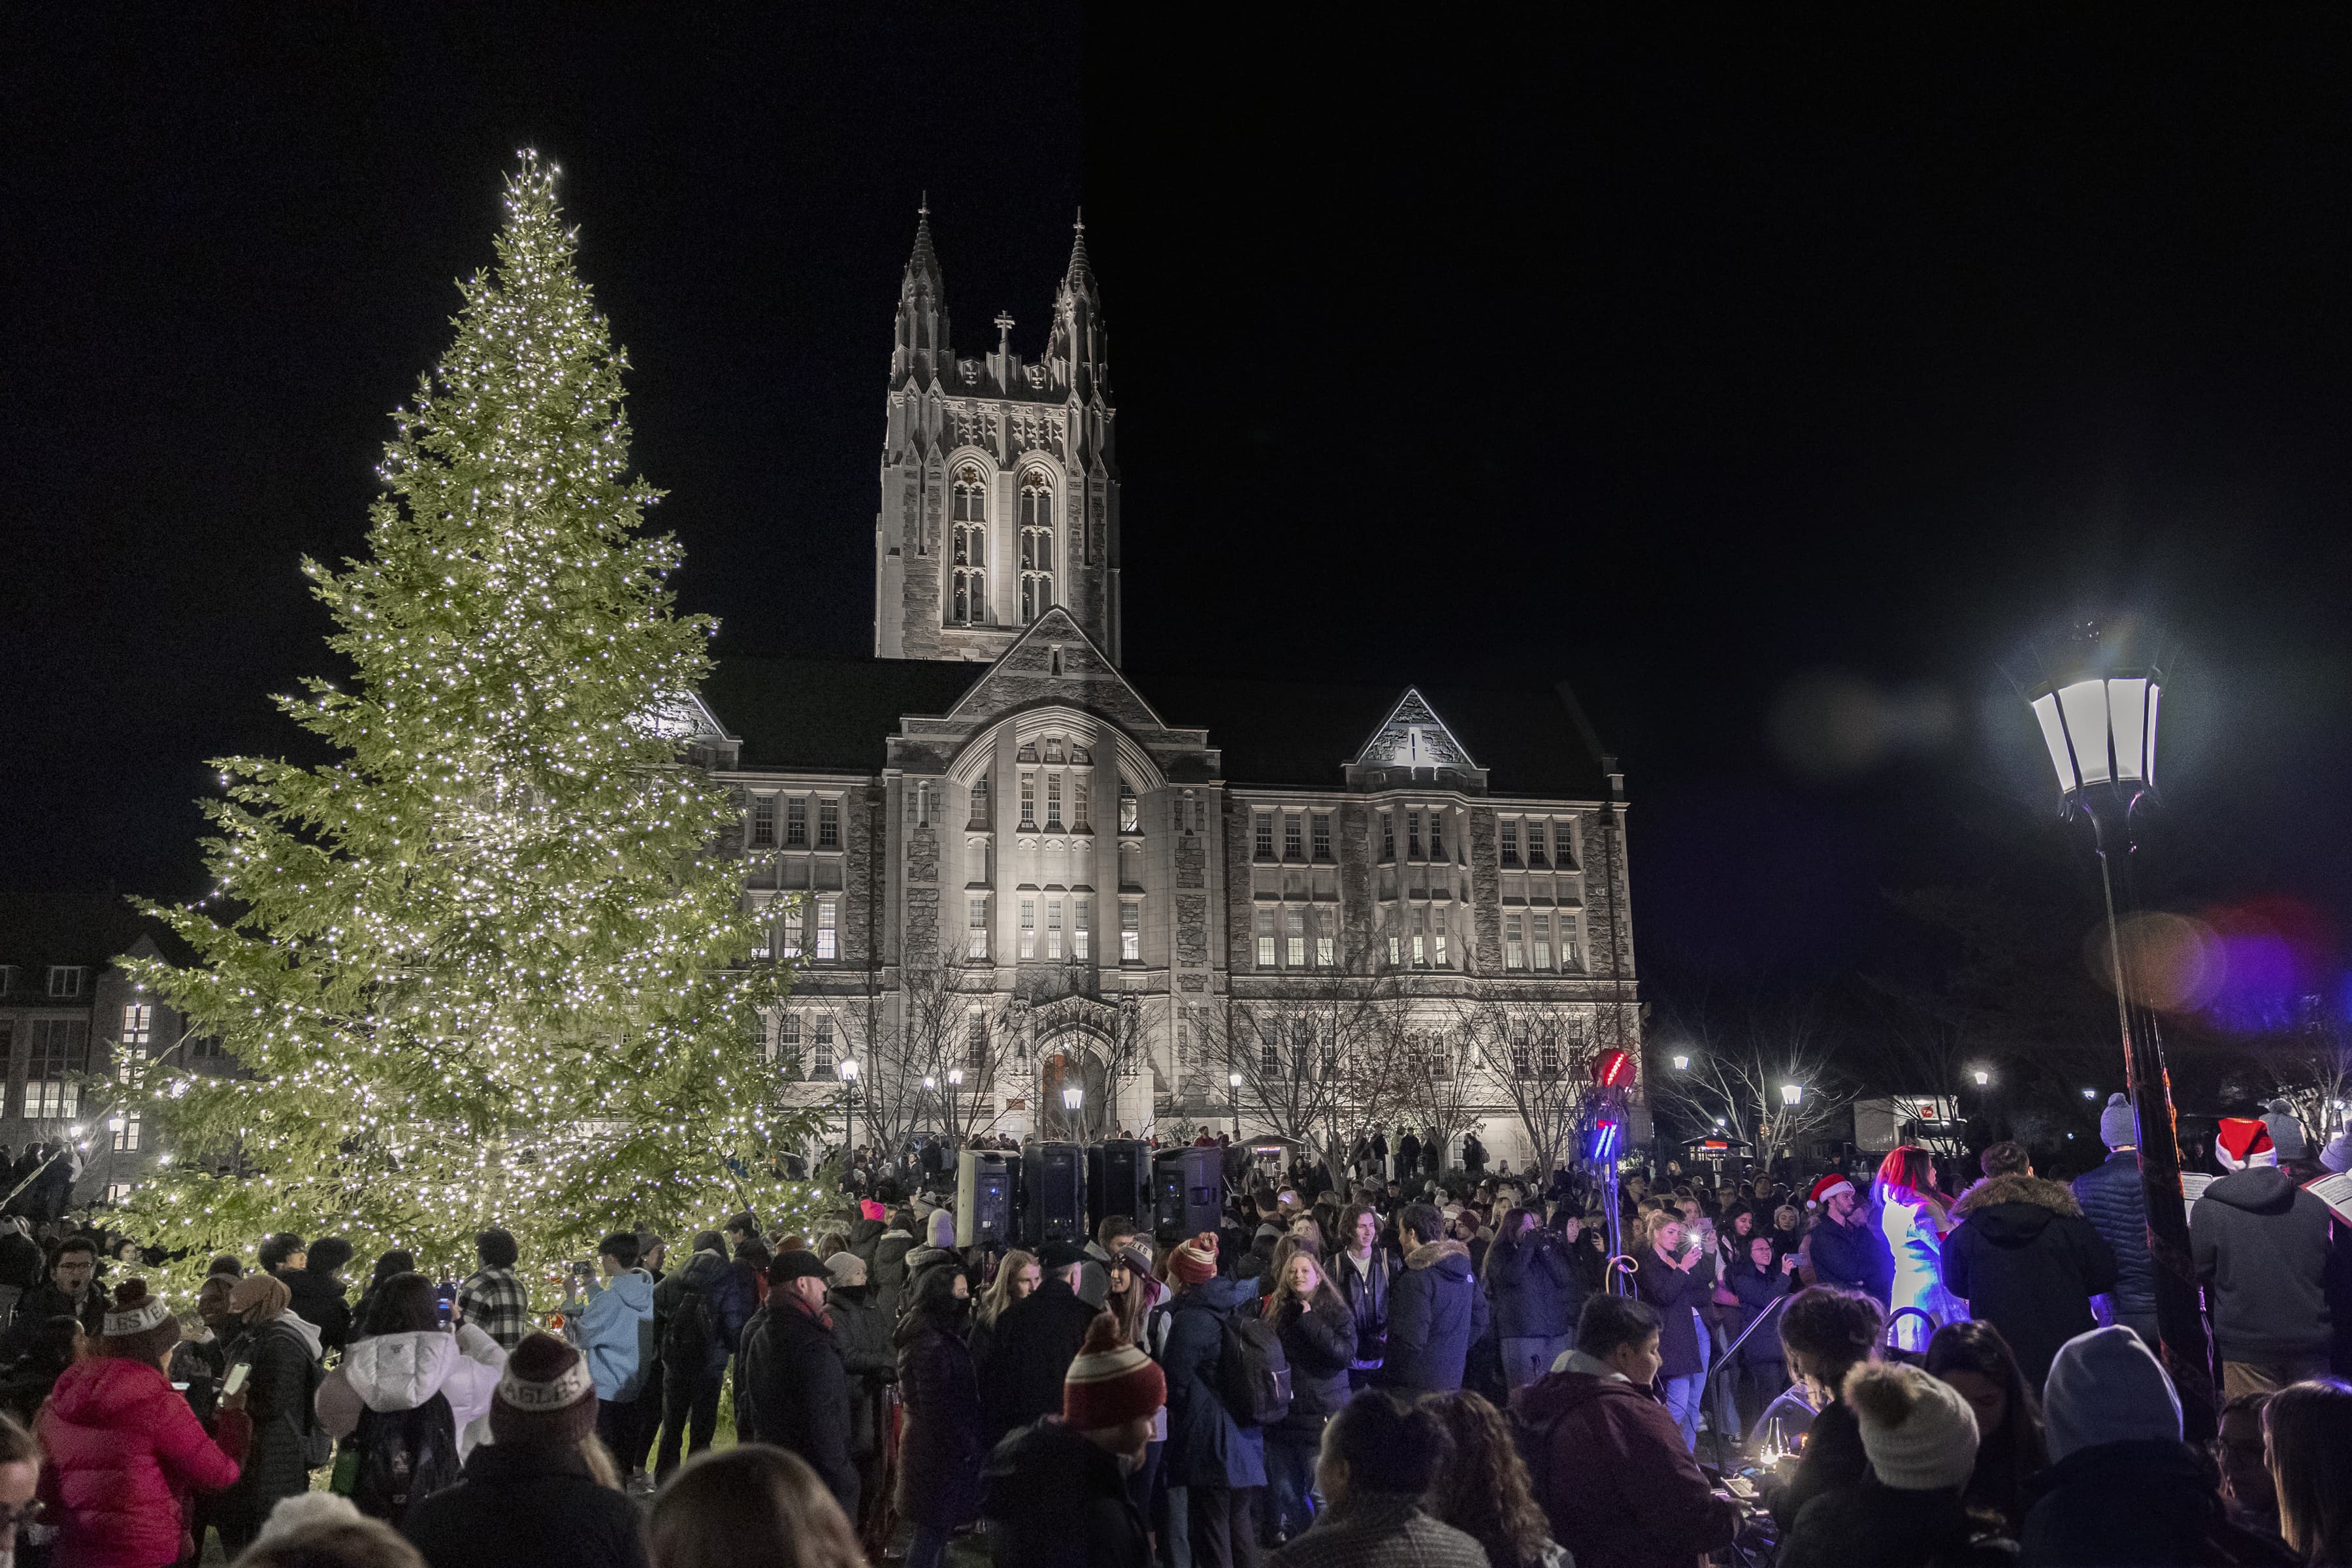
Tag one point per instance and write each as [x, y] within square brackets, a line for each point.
[1080, 278]
[925, 262]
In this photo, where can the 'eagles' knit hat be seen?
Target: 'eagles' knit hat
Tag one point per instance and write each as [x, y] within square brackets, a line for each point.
[545, 1397]
[135, 1311]
[1920, 1435]
[2243, 1142]
[1111, 1383]
[2118, 1125]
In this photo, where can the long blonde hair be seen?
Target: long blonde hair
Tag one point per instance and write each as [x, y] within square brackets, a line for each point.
[1325, 1291]
[999, 1294]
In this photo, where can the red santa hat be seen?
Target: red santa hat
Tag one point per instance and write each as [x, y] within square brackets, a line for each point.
[1828, 1187]
[2243, 1141]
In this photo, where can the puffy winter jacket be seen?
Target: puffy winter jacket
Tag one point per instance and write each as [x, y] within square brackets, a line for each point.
[123, 1448]
[1060, 1502]
[725, 1298]
[1319, 1345]
[1537, 1293]
[886, 1270]
[2261, 1242]
[400, 1372]
[2025, 1259]
[1206, 1447]
[2117, 1209]
[277, 1399]
[941, 1450]
[1436, 1311]
[616, 1333]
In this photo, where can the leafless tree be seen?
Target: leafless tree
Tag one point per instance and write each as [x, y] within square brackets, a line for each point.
[1743, 1060]
[1539, 1057]
[1317, 1060]
[934, 1058]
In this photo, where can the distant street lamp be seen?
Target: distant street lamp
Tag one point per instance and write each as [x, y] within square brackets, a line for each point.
[1681, 1061]
[1792, 1093]
[2097, 717]
[2090, 1094]
[847, 1070]
[1233, 1081]
[1982, 1077]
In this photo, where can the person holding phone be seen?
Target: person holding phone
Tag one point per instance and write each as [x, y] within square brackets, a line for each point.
[273, 1360]
[1765, 1275]
[1675, 1274]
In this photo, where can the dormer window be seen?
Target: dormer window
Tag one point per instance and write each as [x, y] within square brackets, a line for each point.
[65, 979]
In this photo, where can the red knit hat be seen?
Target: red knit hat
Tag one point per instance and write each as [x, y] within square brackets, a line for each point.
[1828, 1187]
[2244, 1140]
[1111, 1383]
[1194, 1262]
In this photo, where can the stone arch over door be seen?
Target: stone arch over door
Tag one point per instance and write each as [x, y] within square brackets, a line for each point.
[1069, 1059]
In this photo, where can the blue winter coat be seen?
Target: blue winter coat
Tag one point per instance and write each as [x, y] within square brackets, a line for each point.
[1436, 1312]
[615, 1329]
[1206, 1447]
[2117, 1209]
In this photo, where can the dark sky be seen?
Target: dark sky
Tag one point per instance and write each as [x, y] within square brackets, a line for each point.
[1706, 367]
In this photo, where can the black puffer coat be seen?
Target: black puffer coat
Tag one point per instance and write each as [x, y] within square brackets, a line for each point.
[2117, 1209]
[940, 1452]
[1059, 1502]
[280, 1394]
[1875, 1525]
[862, 1333]
[1319, 1345]
[2025, 1260]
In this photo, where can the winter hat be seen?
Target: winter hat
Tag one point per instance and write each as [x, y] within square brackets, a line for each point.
[545, 1396]
[1920, 1435]
[2286, 1132]
[1059, 1254]
[942, 1227]
[846, 1268]
[2105, 1387]
[2338, 1155]
[135, 1312]
[1136, 1255]
[2243, 1141]
[304, 1511]
[2118, 1125]
[1111, 1383]
[1828, 1187]
[1194, 1262]
[798, 1263]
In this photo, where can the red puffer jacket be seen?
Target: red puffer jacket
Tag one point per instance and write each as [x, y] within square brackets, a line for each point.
[123, 1448]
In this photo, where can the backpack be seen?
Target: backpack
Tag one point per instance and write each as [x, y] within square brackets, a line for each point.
[403, 1455]
[688, 1337]
[1252, 1374]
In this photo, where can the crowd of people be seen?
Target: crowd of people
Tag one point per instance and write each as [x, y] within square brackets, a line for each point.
[1395, 1368]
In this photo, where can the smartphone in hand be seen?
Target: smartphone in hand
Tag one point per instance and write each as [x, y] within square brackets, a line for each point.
[233, 1385]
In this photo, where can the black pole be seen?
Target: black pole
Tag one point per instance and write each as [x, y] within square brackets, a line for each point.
[2181, 1320]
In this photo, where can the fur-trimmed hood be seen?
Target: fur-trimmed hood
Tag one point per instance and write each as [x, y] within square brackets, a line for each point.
[1429, 1254]
[2055, 1196]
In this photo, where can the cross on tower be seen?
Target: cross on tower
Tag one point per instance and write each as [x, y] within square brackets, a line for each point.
[1004, 333]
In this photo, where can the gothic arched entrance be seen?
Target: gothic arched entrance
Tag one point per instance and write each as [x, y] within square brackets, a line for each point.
[1069, 1064]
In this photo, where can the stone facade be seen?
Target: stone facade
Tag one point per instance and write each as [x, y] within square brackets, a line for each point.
[993, 811]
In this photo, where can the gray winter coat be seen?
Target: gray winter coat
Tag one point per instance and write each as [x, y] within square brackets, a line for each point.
[2261, 1242]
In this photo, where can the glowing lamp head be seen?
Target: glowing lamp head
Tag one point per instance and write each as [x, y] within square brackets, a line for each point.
[2097, 717]
[1793, 1094]
[955, 1077]
[930, 1082]
[1681, 1061]
[1233, 1078]
[1981, 1077]
[1612, 1069]
[2090, 1094]
[848, 1070]
[1073, 1097]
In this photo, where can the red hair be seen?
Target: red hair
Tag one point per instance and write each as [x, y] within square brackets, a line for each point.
[1906, 1170]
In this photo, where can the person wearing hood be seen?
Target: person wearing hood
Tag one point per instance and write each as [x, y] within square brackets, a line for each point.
[1220, 1462]
[2026, 1261]
[538, 1492]
[1056, 1490]
[1921, 1437]
[937, 1253]
[886, 1262]
[1436, 1310]
[124, 1450]
[282, 1351]
[2261, 1245]
[2116, 1205]
[1033, 1340]
[318, 1293]
[871, 1362]
[698, 1317]
[941, 1449]
[1609, 1466]
[411, 1389]
[616, 1323]
[792, 1383]
[2122, 1488]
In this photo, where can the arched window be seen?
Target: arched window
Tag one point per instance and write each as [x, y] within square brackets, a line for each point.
[1036, 546]
[968, 592]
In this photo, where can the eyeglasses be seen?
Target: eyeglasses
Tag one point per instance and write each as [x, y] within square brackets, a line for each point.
[23, 1513]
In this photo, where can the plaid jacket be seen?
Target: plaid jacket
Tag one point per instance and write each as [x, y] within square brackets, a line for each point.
[494, 1302]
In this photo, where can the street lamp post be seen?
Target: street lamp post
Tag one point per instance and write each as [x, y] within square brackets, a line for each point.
[1233, 1081]
[848, 1070]
[1073, 1100]
[2098, 723]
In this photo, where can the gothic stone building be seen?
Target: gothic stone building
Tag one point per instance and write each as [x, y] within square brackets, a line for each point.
[994, 827]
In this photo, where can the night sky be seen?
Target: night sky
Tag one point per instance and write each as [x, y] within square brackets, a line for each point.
[1772, 386]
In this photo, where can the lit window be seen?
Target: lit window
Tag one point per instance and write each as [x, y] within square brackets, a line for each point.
[977, 944]
[1028, 928]
[1078, 931]
[1126, 812]
[1510, 843]
[1294, 939]
[61, 1051]
[1056, 750]
[1514, 947]
[1396, 955]
[1053, 802]
[117, 1192]
[1130, 933]
[764, 821]
[796, 822]
[1439, 956]
[790, 913]
[1081, 795]
[1264, 837]
[1323, 836]
[1292, 849]
[65, 979]
[1037, 546]
[1421, 934]
[1324, 942]
[1266, 939]
[1571, 952]
[1028, 800]
[922, 805]
[821, 1049]
[138, 1024]
[828, 825]
[1535, 843]
[1053, 928]
[829, 935]
[1543, 941]
[125, 1129]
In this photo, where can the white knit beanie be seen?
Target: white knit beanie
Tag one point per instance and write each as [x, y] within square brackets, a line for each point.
[1920, 1435]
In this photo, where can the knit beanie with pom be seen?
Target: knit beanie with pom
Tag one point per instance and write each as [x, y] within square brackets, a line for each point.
[2118, 1125]
[1194, 1262]
[137, 1327]
[1920, 1435]
[1111, 1383]
[545, 1396]
[942, 1227]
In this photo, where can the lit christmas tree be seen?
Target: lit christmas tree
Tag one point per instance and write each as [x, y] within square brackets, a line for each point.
[483, 969]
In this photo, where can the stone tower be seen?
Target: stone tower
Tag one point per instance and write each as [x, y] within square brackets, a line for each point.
[999, 476]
